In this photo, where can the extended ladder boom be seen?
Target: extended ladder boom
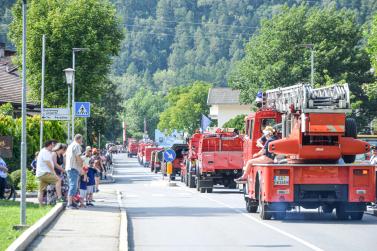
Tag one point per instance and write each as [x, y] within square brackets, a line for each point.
[304, 98]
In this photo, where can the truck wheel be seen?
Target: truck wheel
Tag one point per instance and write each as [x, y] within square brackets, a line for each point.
[202, 190]
[209, 190]
[357, 215]
[350, 131]
[197, 184]
[263, 209]
[251, 206]
[341, 213]
[191, 181]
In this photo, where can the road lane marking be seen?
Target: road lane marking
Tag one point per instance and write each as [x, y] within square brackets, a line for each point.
[158, 195]
[260, 221]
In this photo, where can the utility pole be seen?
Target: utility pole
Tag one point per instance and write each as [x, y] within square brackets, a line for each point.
[69, 114]
[23, 128]
[99, 140]
[42, 90]
[311, 48]
[74, 50]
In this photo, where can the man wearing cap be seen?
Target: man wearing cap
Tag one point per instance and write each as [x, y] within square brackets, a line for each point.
[263, 156]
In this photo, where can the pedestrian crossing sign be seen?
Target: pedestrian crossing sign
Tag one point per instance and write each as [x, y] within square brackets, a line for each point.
[82, 109]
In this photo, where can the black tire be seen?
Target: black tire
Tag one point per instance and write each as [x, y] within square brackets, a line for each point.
[191, 181]
[251, 206]
[197, 184]
[341, 213]
[9, 192]
[202, 190]
[356, 215]
[263, 209]
[209, 190]
[350, 131]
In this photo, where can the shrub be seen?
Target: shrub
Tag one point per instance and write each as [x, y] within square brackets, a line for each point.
[16, 178]
[31, 182]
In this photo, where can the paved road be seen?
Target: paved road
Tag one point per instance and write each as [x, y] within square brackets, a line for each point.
[178, 218]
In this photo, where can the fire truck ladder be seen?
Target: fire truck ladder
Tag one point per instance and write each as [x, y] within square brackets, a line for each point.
[304, 98]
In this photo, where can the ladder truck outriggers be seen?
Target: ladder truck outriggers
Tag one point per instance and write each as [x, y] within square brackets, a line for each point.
[317, 150]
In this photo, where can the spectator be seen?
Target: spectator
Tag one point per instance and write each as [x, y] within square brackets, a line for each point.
[83, 185]
[58, 159]
[45, 169]
[3, 176]
[33, 164]
[91, 184]
[97, 163]
[73, 167]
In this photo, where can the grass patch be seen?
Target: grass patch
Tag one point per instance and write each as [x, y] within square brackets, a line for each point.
[10, 216]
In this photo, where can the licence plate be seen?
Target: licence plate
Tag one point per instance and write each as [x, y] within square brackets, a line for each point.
[281, 180]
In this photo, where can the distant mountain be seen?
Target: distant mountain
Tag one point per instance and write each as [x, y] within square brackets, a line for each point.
[174, 42]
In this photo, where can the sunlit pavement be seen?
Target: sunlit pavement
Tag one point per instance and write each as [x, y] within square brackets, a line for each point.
[163, 217]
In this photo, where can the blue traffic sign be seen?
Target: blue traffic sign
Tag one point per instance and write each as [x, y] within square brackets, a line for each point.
[169, 155]
[82, 109]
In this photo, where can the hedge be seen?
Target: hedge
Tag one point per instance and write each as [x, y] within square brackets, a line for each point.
[12, 127]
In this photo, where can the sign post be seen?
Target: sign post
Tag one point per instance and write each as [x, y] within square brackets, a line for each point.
[169, 156]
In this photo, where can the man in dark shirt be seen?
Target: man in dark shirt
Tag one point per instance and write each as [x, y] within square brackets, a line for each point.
[263, 156]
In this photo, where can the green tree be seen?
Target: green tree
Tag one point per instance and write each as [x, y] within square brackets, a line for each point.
[92, 24]
[185, 106]
[144, 105]
[276, 56]
[238, 122]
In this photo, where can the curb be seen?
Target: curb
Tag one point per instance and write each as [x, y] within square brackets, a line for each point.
[123, 228]
[25, 239]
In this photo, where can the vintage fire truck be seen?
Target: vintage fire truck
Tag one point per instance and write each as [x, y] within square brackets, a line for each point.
[219, 160]
[314, 165]
[189, 170]
[141, 150]
[147, 157]
[132, 148]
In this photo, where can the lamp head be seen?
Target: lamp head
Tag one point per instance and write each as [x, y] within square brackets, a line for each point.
[69, 72]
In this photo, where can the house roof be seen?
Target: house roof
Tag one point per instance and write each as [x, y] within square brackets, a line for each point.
[10, 84]
[223, 96]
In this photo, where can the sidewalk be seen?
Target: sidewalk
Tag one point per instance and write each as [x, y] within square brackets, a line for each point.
[91, 228]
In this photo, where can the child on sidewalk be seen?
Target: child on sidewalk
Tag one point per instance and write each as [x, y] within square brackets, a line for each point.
[83, 186]
[91, 184]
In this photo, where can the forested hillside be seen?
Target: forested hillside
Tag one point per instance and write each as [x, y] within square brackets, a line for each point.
[175, 42]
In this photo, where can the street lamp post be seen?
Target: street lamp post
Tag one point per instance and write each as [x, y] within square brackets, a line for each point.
[23, 129]
[74, 50]
[69, 76]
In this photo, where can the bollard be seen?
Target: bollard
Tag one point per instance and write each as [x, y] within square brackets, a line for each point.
[169, 168]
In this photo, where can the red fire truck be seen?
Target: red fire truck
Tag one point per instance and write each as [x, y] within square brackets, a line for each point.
[148, 154]
[319, 145]
[132, 148]
[219, 160]
[189, 170]
[141, 151]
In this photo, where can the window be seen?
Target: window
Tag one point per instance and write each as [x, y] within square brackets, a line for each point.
[267, 122]
[250, 125]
